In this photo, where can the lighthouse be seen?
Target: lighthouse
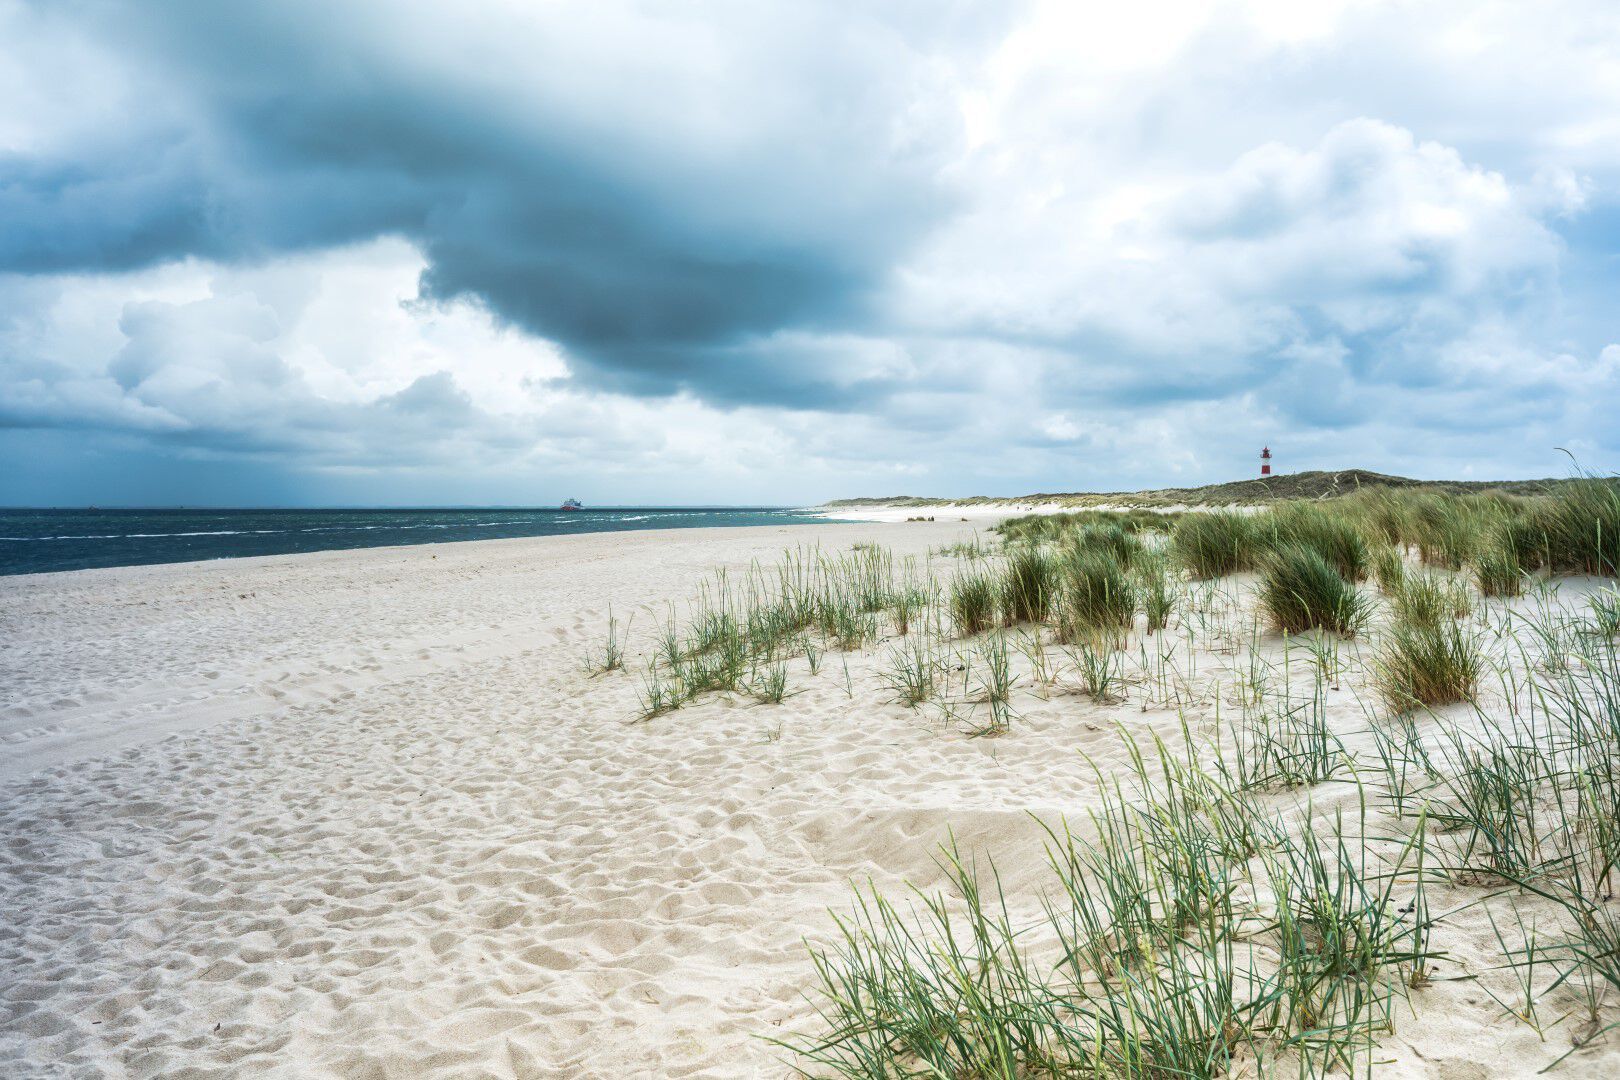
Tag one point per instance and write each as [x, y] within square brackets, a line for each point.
[1265, 461]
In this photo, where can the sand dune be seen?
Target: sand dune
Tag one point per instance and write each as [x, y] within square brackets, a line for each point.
[362, 814]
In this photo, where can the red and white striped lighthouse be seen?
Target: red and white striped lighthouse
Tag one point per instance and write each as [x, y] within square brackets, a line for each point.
[1265, 461]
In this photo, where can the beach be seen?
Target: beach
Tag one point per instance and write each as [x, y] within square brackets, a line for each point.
[362, 814]
[367, 814]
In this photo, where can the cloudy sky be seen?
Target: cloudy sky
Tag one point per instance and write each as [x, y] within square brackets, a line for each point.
[507, 251]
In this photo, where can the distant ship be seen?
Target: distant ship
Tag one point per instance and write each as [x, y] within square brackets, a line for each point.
[572, 504]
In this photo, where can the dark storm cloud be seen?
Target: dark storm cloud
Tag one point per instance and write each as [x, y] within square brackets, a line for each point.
[649, 223]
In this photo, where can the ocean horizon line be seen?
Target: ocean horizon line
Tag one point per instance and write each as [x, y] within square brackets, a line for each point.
[49, 540]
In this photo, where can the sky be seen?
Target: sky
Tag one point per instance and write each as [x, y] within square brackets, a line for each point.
[504, 252]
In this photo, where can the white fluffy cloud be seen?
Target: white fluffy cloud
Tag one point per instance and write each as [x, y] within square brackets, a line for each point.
[330, 355]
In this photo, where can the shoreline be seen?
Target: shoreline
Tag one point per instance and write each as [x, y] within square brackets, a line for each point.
[801, 516]
[59, 680]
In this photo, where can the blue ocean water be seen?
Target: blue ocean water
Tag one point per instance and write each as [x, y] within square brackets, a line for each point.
[36, 541]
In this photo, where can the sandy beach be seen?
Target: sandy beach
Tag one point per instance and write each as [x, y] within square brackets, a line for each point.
[364, 814]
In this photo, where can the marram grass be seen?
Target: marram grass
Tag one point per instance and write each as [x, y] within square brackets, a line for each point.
[1188, 929]
[1096, 596]
[1332, 535]
[1300, 591]
[1028, 582]
[1152, 958]
[972, 601]
[1429, 600]
[1215, 544]
[1427, 665]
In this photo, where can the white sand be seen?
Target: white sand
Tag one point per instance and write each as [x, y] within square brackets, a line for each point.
[980, 515]
[983, 515]
[361, 814]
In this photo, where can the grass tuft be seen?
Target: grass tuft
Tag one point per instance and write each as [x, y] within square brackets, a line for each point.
[1429, 600]
[972, 602]
[915, 673]
[1096, 597]
[1155, 589]
[1213, 545]
[1498, 569]
[1427, 665]
[611, 657]
[1027, 585]
[1389, 568]
[1334, 536]
[1108, 539]
[1300, 590]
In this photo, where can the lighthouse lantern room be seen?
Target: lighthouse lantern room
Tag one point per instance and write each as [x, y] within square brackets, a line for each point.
[1265, 461]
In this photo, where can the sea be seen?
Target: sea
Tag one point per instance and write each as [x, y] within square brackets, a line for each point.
[40, 541]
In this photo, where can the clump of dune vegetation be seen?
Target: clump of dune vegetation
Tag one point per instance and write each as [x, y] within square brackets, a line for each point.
[1096, 597]
[1262, 893]
[1388, 567]
[1301, 590]
[1112, 541]
[1429, 600]
[1027, 584]
[1155, 589]
[1605, 605]
[1214, 545]
[1427, 664]
[973, 602]
[611, 655]
[1044, 528]
[1576, 532]
[1339, 540]
[1498, 569]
